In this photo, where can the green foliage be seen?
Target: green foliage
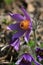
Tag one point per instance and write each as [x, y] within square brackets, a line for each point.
[8, 1]
[41, 45]
[31, 43]
[4, 21]
[33, 63]
[12, 63]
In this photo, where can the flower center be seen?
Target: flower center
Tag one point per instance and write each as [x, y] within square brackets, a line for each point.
[24, 24]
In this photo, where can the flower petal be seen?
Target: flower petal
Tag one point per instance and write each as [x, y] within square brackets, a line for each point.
[39, 53]
[36, 63]
[24, 60]
[25, 13]
[40, 59]
[14, 27]
[27, 57]
[27, 35]
[16, 45]
[18, 34]
[17, 17]
[18, 61]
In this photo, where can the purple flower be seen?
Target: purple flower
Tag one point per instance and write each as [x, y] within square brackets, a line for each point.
[15, 44]
[23, 25]
[39, 53]
[26, 59]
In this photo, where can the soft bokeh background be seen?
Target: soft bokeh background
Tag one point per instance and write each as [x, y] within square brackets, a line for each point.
[35, 9]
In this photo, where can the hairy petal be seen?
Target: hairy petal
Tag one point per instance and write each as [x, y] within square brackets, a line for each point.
[18, 34]
[16, 44]
[25, 13]
[27, 35]
[36, 63]
[14, 27]
[17, 17]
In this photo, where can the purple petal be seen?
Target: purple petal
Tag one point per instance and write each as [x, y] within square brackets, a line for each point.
[27, 35]
[36, 63]
[25, 14]
[25, 63]
[27, 57]
[40, 59]
[18, 61]
[14, 27]
[18, 34]
[17, 17]
[30, 26]
[39, 49]
[16, 45]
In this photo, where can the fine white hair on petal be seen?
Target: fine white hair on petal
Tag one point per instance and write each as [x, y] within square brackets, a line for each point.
[26, 39]
[11, 14]
[18, 61]
[8, 28]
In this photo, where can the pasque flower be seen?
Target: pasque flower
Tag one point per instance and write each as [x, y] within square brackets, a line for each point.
[26, 59]
[39, 53]
[15, 44]
[23, 25]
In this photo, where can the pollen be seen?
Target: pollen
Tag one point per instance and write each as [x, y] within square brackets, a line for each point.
[24, 24]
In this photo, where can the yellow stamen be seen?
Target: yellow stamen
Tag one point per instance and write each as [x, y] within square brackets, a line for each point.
[24, 24]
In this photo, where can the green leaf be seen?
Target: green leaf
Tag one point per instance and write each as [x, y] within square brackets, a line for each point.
[8, 1]
[31, 43]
